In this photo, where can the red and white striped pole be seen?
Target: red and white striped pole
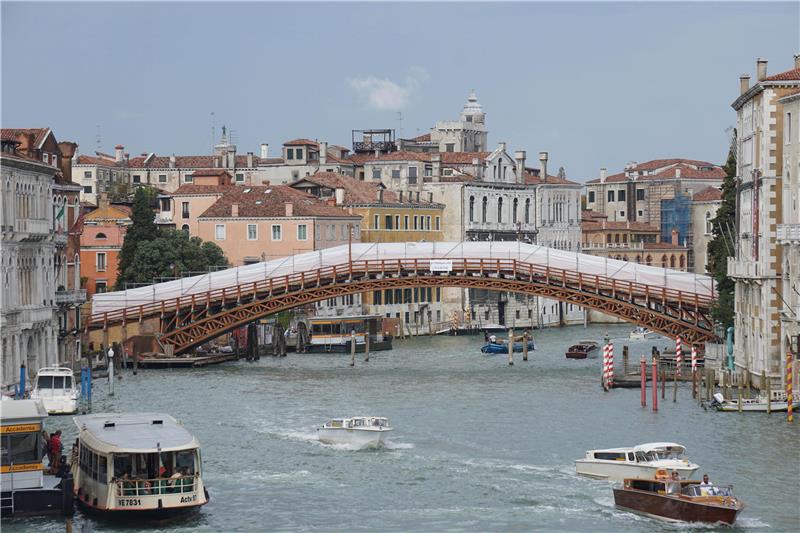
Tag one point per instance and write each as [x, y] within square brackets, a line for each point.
[694, 358]
[678, 356]
[789, 386]
[610, 365]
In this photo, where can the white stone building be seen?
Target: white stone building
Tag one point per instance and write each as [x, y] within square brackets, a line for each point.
[705, 204]
[767, 190]
[468, 134]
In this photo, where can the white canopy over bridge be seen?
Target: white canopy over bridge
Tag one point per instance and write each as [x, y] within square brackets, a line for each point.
[656, 277]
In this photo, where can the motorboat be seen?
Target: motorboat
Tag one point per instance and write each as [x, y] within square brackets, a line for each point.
[643, 461]
[55, 387]
[582, 350]
[501, 347]
[334, 333]
[359, 432]
[642, 333]
[678, 500]
[137, 466]
[758, 404]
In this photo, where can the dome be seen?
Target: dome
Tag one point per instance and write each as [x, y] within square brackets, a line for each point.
[472, 107]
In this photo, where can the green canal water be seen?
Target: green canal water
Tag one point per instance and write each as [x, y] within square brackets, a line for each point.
[477, 445]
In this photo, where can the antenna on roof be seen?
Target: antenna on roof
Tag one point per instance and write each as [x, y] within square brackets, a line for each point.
[233, 136]
[400, 128]
[213, 130]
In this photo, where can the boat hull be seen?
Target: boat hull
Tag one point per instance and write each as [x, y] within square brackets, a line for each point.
[756, 407]
[60, 406]
[673, 508]
[164, 514]
[581, 354]
[374, 346]
[618, 471]
[494, 349]
[357, 438]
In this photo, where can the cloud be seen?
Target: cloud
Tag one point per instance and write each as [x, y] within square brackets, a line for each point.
[385, 94]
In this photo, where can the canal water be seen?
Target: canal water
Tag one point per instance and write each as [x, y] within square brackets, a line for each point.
[477, 445]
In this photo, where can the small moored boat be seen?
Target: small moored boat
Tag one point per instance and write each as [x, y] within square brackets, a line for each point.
[643, 461]
[581, 350]
[641, 333]
[678, 501]
[758, 404]
[359, 431]
[55, 387]
[137, 466]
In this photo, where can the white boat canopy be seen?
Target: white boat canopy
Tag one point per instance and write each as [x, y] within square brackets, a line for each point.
[134, 433]
[660, 447]
[338, 255]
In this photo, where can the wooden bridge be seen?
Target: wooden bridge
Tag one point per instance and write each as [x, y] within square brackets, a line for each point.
[187, 321]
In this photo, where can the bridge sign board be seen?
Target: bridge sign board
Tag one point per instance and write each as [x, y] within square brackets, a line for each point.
[441, 265]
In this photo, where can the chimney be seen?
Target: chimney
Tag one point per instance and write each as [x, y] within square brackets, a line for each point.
[265, 183]
[519, 156]
[380, 195]
[744, 83]
[502, 146]
[543, 166]
[797, 61]
[119, 150]
[339, 192]
[234, 210]
[102, 200]
[231, 156]
[172, 161]
[675, 237]
[127, 158]
[603, 174]
[264, 150]
[323, 153]
[224, 160]
[249, 159]
[68, 151]
[289, 207]
[761, 69]
[436, 160]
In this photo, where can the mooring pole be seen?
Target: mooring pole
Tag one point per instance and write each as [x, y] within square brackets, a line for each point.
[352, 347]
[765, 385]
[511, 347]
[525, 346]
[654, 379]
[643, 370]
[366, 346]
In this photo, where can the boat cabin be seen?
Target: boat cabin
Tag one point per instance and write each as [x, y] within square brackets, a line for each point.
[55, 387]
[359, 422]
[137, 462]
[332, 334]
[21, 444]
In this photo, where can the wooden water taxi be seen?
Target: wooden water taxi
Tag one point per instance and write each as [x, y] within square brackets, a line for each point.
[678, 500]
[581, 350]
[137, 466]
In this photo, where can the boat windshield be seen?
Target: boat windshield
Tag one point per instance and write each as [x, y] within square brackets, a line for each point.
[54, 382]
[155, 465]
[711, 490]
[660, 455]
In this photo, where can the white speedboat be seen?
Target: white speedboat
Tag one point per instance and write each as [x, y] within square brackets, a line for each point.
[55, 387]
[758, 404]
[137, 467]
[643, 461]
[359, 431]
[641, 333]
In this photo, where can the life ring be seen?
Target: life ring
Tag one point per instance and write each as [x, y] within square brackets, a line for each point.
[661, 474]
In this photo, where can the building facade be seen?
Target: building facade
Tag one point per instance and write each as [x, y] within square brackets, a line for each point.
[705, 204]
[102, 235]
[766, 187]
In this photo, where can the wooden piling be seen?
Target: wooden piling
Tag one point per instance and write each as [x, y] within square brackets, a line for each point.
[353, 347]
[747, 382]
[625, 360]
[765, 385]
[675, 383]
[739, 396]
[525, 346]
[643, 371]
[135, 360]
[511, 347]
[366, 347]
[694, 383]
[663, 379]
[654, 379]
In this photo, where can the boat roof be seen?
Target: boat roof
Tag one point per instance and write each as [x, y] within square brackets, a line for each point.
[54, 371]
[133, 432]
[658, 446]
[16, 411]
[349, 318]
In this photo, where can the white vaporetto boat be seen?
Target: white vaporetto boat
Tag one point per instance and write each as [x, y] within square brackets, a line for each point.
[641, 333]
[137, 466]
[358, 432]
[758, 404]
[643, 461]
[55, 387]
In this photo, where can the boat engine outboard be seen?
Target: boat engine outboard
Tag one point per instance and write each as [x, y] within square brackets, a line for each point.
[719, 399]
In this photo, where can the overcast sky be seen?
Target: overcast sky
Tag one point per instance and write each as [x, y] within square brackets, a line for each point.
[595, 84]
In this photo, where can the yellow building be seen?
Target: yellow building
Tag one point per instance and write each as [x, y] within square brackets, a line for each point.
[386, 216]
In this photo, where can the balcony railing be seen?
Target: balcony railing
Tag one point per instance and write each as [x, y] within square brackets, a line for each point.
[164, 218]
[29, 225]
[743, 268]
[615, 245]
[788, 234]
[71, 297]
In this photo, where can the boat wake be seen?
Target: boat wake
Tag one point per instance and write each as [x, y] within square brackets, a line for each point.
[310, 436]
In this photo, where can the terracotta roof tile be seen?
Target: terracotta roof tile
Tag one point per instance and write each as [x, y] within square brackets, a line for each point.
[356, 191]
[211, 172]
[12, 134]
[202, 190]
[690, 169]
[90, 160]
[302, 142]
[789, 75]
[425, 137]
[261, 201]
[463, 158]
[709, 194]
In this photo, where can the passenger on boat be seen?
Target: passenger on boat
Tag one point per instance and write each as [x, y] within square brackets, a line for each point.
[55, 451]
[674, 484]
[128, 486]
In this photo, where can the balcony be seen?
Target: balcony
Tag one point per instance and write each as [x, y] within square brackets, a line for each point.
[743, 268]
[788, 234]
[71, 297]
[36, 315]
[164, 217]
[32, 226]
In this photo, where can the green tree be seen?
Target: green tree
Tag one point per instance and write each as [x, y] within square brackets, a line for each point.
[723, 244]
[142, 230]
[173, 253]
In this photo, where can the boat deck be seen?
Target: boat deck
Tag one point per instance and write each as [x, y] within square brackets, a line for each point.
[195, 361]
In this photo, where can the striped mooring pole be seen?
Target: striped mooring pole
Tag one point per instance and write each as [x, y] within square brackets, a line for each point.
[789, 388]
[694, 358]
[678, 356]
[609, 364]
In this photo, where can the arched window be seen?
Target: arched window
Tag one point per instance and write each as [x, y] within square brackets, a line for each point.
[682, 262]
[471, 208]
[649, 259]
[527, 210]
[100, 236]
[500, 210]
[185, 228]
[672, 261]
[484, 208]
[638, 258]
[664, 261]
[514, 212]
[709, 225]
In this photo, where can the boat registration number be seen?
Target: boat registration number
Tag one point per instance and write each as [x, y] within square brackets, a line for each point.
[129, 502]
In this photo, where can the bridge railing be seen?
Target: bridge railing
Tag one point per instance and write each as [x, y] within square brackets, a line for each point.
[410, 266]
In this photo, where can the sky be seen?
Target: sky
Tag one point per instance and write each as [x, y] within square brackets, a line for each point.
[594, 84]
